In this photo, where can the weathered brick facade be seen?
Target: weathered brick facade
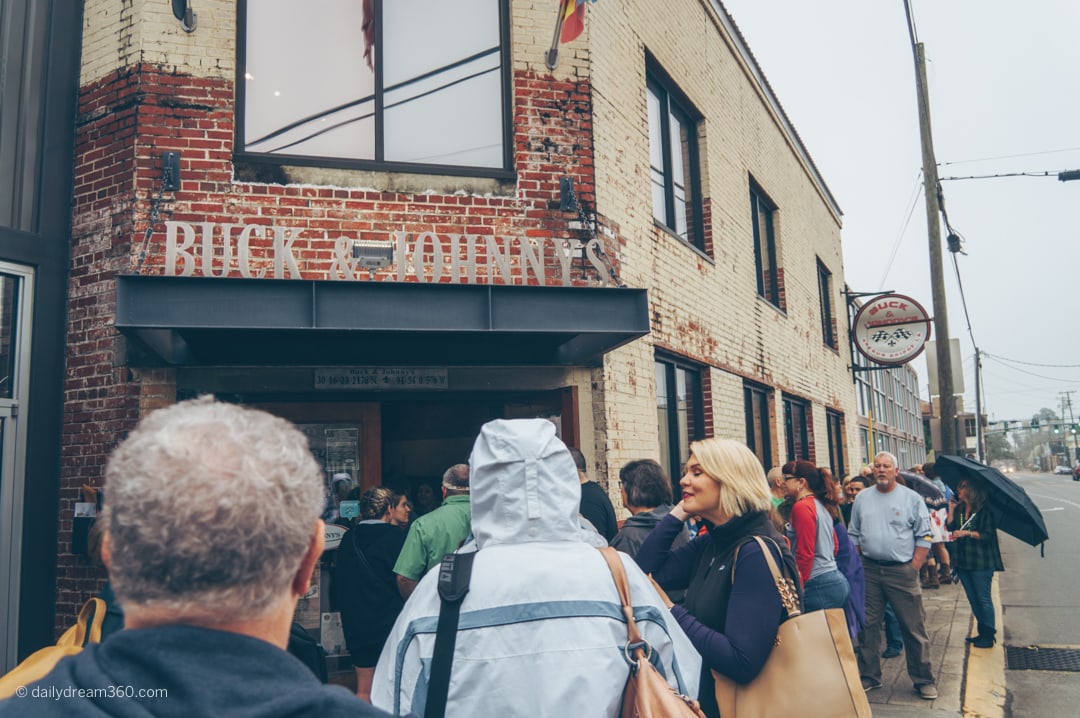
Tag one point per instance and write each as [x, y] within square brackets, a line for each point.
[148, 88]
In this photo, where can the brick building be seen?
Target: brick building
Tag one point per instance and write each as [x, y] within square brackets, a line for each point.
[393, 228]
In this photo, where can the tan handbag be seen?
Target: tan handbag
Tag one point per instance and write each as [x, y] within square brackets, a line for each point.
[40, 663]
[811, 671]
[647, 694]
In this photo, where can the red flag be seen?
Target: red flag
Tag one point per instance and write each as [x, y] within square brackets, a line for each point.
[573, 19]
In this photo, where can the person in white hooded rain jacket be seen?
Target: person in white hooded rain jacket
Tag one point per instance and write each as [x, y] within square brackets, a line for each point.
[541, 630]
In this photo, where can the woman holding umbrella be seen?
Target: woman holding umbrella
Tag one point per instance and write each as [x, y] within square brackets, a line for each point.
[975, 554]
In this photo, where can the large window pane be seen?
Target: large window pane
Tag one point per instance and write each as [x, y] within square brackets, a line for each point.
[673, 163]
[443, 91]
[312, 90]
[308, 89]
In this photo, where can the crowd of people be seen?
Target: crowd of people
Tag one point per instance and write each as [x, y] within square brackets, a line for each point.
[214, 528]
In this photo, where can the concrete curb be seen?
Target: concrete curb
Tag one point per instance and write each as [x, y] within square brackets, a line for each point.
[984, 672]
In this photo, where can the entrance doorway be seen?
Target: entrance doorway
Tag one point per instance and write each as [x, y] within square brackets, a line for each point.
[16, 299]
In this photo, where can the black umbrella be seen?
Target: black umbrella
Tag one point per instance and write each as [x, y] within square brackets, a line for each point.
[1013, 510]
[935, 497]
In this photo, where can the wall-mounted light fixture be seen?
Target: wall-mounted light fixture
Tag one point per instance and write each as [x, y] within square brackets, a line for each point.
[372, 254]
[181, 9]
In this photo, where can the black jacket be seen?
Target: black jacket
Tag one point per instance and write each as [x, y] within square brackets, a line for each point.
[183, 671]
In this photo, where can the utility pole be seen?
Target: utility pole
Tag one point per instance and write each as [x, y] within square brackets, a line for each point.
[937, 274]
[979, 438]
[1066, 402]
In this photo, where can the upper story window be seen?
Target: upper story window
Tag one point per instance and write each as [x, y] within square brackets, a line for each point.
[673, 160]
[762, 212]
[828, 325]
[401, 85]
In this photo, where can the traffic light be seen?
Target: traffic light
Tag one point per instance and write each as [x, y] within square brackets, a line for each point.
[1057, 429]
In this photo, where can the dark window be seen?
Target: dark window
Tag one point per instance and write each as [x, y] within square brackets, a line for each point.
[828, 331]
[673, 158]
[364, 84]
[758, 431]
[797, 428]
[969, 426]
[768, 273]
[834, 422]
[679, 405]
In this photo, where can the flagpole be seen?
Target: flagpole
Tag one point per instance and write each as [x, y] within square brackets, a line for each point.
[551, 58]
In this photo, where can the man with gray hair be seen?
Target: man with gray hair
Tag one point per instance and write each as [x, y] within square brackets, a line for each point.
[436, 533]
[891, 527]
[212, 532]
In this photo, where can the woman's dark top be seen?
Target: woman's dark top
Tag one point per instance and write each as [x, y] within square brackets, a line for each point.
[732, 626]
[366, 587]
[971, 554]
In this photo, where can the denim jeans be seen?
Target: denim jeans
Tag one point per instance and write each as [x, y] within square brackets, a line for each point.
[829, 590]
[893, 638]
[977, 587]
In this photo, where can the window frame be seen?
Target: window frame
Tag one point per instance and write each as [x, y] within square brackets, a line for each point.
[506, 172]
[758, 199]
[673, 101]
[805, 429]
[825, 299]
[757, 403]
[676, 448]
[834, 426]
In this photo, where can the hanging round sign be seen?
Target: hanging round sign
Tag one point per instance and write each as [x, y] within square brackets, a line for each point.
[891, 329]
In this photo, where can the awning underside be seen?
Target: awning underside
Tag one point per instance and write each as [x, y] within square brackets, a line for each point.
[189, 321]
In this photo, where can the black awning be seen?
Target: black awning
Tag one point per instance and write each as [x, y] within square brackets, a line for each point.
[196, 321]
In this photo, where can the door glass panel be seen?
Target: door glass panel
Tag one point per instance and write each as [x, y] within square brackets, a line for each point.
[9, 287]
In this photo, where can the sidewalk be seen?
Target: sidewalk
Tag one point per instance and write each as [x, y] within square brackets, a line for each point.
[970, 682]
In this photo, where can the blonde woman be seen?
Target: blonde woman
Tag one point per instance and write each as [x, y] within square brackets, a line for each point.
[732, 624]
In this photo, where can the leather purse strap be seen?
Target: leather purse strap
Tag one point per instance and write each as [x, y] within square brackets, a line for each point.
[618, 573]
[788, 598]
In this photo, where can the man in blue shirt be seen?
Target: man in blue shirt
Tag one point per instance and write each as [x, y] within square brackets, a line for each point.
[891, 526]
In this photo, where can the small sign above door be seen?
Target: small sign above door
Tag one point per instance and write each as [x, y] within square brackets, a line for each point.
[381, 378]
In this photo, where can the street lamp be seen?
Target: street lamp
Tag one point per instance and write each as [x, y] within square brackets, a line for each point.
[1069, 175]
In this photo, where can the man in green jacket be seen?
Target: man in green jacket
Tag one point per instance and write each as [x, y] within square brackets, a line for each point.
[437, 533]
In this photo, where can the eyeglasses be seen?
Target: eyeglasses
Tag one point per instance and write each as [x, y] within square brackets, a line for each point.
[791, 478]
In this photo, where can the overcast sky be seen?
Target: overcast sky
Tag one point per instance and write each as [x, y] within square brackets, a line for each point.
[1004, 82]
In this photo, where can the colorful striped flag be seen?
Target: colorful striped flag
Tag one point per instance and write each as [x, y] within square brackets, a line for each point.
[573, 19]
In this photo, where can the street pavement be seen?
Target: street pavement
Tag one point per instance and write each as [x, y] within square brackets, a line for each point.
[948, 619]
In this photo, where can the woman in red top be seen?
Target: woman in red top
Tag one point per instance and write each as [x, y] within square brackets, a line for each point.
[812, 517]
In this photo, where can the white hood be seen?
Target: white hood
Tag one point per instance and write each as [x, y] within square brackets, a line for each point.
[523, 485]
[542, 630]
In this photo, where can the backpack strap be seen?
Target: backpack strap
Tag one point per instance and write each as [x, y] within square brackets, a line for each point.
[455, 571]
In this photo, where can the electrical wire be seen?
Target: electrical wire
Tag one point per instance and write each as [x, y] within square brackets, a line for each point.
[1028, 363]
[915, 194]
[963, 299]
[1038, 376]
[1009, 157]
[1050, 173]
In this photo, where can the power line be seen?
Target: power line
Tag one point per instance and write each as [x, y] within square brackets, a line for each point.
[1009, 157]
[1039, 376]
[1053, 173]
[915, 193]
[1028, 363]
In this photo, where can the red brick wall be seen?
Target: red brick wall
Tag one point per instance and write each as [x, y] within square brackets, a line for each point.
[128, 119]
